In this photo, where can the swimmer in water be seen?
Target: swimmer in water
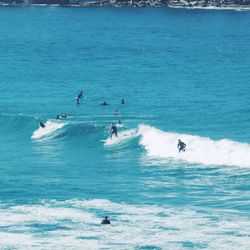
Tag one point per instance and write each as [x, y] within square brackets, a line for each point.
[122, 101]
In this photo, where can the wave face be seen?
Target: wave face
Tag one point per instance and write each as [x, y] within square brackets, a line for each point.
[200, 150]
[49, 130]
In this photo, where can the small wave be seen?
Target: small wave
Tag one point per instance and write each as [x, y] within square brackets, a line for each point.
[50, 128]
[200, 150]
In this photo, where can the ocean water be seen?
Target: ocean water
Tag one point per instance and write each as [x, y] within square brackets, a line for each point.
[184, 74]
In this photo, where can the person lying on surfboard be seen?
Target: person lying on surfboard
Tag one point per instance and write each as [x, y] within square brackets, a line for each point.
[104, 103]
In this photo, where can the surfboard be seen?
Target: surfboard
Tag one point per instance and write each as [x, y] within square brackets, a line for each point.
[122, 137]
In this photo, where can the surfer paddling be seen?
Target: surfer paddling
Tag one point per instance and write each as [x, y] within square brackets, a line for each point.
[104, 103]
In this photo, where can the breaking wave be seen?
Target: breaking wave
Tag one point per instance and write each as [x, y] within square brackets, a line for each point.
[157, 143]
[200, 150]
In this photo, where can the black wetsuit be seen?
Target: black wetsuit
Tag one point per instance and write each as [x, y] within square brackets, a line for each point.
[104, 104]
[181, 146]
[42, 125]
[105, 221]
[80, 95]
[113, 130]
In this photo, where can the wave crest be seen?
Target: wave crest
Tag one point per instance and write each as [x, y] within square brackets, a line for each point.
[200, 150]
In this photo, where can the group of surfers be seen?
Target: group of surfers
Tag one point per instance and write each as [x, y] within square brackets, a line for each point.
[113, 128]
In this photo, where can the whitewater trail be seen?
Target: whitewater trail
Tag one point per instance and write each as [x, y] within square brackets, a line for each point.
[50, 128]
[200, 150]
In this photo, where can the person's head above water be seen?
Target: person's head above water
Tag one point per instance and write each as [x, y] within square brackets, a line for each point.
[104, 103]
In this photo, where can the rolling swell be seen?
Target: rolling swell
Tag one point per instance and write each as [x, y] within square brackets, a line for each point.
[27, 126]
[17, 123]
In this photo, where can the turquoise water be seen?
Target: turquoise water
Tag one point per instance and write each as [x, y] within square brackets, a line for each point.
[184, 74]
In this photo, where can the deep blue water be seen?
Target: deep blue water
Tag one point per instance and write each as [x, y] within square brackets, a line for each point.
[184, 74]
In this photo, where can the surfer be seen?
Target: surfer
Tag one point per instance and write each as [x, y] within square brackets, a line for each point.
[80, 95]
[42, 125]
[105, 221]
[113, 130]
[116, 112]
[104, 103]
[59, 117]
[122, 101]
[181, 146]
[77, 101]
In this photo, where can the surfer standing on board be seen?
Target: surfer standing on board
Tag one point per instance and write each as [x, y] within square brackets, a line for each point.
[181, 146]
[113, 130]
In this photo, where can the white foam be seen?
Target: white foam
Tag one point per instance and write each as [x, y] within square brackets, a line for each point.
[76, 225]
[200, 150]
[122, 137]
[50, 128]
